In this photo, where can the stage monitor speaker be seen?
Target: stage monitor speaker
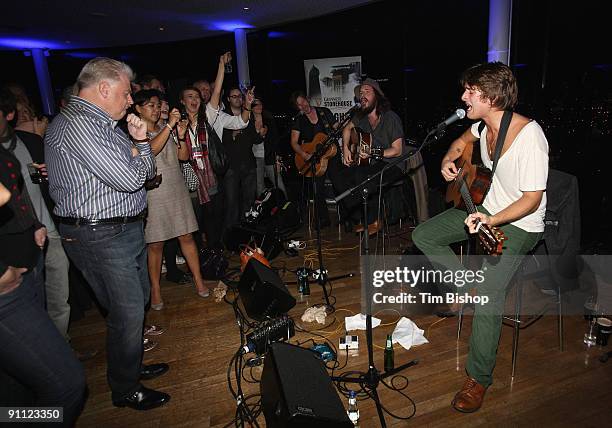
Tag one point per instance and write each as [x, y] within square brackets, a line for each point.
[239, 235]
[268, 232]
[297, 392]
[262, 292]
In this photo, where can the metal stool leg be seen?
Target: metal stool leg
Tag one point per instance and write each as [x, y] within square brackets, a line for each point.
[460, 322]
[385, 227]
[517, 324]
[560, 317]
[339, 222]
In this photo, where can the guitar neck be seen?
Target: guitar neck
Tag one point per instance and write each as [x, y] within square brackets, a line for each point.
[467, 198]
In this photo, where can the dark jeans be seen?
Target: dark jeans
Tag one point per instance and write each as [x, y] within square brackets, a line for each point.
[33, 351]
[210, 220]
[355, 175]
[113, 259]
[239, 186]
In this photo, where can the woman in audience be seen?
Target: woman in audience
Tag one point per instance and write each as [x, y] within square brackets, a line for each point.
[170, 213]
[171, 247]
[26, 118]
[208, 205]
[265, 154]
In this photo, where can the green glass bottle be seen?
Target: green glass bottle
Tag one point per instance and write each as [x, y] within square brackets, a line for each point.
[389, 364]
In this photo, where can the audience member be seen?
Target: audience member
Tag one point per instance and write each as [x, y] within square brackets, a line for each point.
[209, 204]
[265, 154]
[240, 180]
[96, 178]
[33, 352]
[169, 210]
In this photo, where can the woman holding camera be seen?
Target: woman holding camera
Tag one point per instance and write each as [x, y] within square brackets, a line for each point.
[170, 213]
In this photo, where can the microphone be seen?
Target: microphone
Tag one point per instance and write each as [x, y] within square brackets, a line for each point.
[457, 115]
[356, 107]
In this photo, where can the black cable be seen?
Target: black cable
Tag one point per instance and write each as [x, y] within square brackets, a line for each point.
[344, 389]
[336, 365]
[365, 391]
[238, 364]
[246, 364]
[345, 361]
[392, 387]
[243, 411]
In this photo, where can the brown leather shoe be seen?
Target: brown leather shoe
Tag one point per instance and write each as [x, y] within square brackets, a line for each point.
[373, 228]
[469, 399]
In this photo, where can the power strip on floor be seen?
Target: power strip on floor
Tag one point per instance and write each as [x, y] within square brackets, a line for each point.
[348, 342]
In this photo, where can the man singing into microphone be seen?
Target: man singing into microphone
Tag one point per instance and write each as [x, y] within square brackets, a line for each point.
[387, 139]
[515, 202]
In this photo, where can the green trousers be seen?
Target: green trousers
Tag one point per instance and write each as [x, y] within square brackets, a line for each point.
[433, 238]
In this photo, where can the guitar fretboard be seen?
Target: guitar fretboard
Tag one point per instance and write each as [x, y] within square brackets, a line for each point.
[467, 198]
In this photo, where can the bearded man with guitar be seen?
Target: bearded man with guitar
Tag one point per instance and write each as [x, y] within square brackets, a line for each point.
[511, 212]
[374, 137]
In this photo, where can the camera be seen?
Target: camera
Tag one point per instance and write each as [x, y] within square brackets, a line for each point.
[184, 115]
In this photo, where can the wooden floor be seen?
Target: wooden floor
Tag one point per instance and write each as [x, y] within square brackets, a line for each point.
[552, 388]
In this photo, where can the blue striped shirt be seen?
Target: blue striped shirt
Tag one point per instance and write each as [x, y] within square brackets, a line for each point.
[92, 173]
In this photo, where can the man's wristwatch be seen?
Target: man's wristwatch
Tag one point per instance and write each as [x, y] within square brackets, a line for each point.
[377, 153]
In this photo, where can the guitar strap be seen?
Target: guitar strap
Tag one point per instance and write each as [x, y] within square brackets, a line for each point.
[323, 117]
[501, 137]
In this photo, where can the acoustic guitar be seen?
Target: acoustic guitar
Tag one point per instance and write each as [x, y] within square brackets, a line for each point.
[469, 189]
[304, 167]
[361, 143]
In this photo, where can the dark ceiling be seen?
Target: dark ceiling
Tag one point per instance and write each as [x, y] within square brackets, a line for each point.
[74, 24]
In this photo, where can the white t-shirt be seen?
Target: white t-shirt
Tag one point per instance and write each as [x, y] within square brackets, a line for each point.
[523, 168]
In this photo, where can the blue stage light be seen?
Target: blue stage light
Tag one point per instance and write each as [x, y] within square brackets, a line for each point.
[18, 43]
[227, 25]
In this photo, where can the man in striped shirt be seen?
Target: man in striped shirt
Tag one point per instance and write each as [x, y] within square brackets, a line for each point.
[96, 178]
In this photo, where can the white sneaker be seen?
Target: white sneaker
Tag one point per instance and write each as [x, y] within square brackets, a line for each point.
[148, 344]
[180, 260]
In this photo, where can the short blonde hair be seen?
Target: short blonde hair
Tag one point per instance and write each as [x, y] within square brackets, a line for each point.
[101, 68]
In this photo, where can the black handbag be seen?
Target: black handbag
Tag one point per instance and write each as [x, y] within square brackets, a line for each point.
[219, 161]
[213, 263]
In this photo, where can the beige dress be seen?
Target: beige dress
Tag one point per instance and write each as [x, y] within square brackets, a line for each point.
[170, 213]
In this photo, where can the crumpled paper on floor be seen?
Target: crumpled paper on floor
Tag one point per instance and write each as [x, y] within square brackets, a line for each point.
[358, 322]
[408, 334]
[317, 314]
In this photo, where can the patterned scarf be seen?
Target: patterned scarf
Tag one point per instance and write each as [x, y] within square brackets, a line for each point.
[204, 171]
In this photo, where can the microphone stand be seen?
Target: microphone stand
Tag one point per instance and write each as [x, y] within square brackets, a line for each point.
[373, 377]
[311, 164]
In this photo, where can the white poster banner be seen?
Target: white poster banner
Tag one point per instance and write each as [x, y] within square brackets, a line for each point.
[330, 82]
